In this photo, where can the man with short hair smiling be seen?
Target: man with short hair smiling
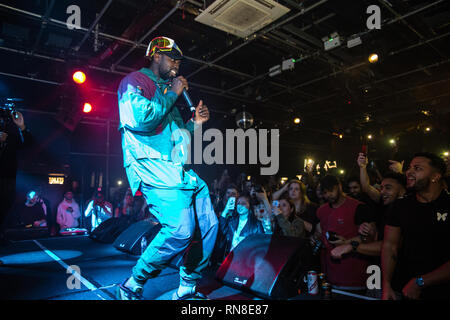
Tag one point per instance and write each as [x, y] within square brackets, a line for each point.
[393, 186]
[416, 250]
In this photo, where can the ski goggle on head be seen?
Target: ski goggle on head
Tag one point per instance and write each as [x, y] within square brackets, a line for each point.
[166, 46]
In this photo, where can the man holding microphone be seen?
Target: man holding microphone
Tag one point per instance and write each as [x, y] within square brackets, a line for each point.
[149, 124]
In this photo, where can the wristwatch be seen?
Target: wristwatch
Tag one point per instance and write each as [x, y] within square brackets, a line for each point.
[354, 244]
[420, 282]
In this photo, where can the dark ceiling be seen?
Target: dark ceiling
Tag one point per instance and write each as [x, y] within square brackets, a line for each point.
[336, 91]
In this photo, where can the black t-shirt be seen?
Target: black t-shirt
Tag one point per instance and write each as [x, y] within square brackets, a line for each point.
[364, 213]
[28, 215]
[425, 230]
[381, 212]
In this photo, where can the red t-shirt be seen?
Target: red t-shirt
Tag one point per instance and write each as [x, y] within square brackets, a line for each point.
[350, 271]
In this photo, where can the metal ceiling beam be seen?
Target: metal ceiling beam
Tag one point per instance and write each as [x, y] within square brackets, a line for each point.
[43, 25]
[421, 43]
[395, 13]
[398, 76]
[93, 25]
[63, 25]
[203, 88]
[407, 89]
[172, 11]
[257, 35]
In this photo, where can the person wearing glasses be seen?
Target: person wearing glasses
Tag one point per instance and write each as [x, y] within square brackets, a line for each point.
[154, 142]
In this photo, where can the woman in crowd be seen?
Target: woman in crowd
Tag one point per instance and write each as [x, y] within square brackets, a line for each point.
[304, 208]
[125, 208]
[235, 226]
[286, 222]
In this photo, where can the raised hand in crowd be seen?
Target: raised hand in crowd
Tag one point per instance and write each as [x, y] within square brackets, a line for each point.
[362, 160]
[18, 120]
[229, 207]
[276, 210]
[396, 166]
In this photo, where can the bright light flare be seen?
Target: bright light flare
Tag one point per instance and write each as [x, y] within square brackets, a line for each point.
[79, 77]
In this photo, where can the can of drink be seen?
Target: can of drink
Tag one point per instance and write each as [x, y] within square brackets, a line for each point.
[321, 279]
[326, 291]
[313, 286]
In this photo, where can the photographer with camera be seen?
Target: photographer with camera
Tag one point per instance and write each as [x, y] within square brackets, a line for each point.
[14, 135]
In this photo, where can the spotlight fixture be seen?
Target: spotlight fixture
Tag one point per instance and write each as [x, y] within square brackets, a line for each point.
[79, 77]
[369, 136]
[297, 120]
[119, 182]
[446, 153]
[373, 58]
[87, 107]
[341, 171]
[392, 141]
[340, 135]
[427, 129]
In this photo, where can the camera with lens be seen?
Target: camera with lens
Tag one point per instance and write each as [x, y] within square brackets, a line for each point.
[7, 111]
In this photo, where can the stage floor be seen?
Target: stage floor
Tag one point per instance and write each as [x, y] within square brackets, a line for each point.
[39, 270]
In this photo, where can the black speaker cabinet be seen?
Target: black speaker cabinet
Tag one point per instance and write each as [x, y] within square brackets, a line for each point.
[129, 241]
[110, 229]
[268, 266]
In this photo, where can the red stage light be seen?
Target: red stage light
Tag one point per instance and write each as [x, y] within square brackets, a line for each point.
[79, 77]
[87, 108]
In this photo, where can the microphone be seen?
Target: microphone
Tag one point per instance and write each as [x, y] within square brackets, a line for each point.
[188, 100]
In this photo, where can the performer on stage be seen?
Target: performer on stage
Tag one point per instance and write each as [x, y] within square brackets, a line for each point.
[148, 122]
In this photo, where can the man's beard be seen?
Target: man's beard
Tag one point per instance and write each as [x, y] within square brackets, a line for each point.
[166, 74]
[421, 184]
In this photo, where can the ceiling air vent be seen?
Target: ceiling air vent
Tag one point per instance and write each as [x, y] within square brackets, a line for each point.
[241, 17]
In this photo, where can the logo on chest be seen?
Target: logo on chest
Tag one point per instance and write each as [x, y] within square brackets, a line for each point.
[441, 216]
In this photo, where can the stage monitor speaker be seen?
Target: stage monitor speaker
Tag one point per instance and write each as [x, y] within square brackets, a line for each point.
[129, 240]
[268, 266]
[110, 229]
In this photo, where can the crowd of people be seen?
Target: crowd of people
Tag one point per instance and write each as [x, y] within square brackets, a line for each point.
[396, 221]
[35, 211]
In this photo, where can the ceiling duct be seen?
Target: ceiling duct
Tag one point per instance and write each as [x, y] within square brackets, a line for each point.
[241, 17]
